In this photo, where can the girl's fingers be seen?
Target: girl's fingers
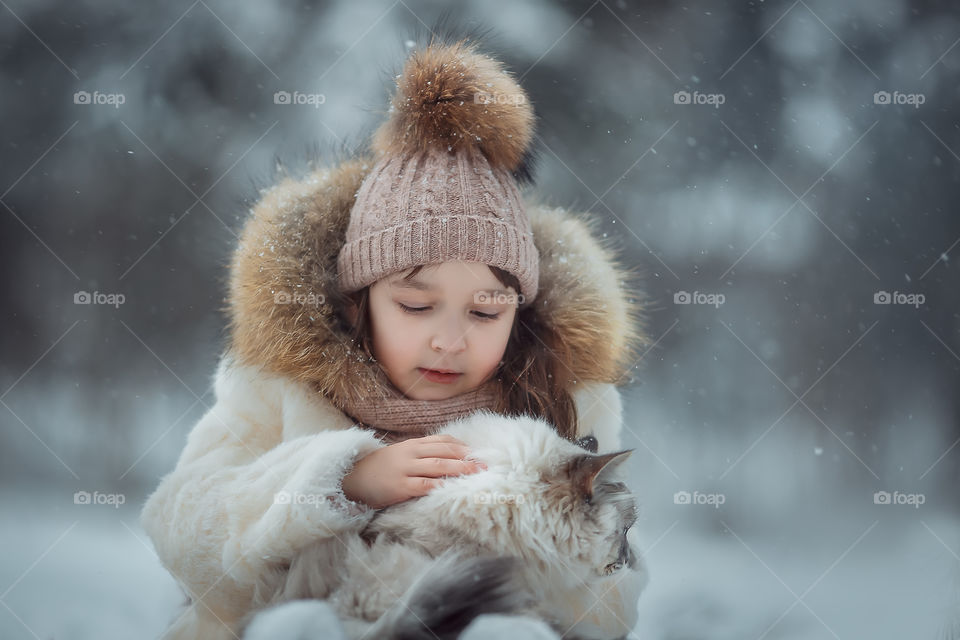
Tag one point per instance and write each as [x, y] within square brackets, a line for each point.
[440, 442]
[440, 437]
[442, 450]
[441, 467]
[423, 486]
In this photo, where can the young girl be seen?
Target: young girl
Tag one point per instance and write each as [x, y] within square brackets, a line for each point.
[373, 302]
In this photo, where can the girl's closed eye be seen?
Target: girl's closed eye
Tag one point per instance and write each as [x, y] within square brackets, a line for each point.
[415, 310]
[409, 309]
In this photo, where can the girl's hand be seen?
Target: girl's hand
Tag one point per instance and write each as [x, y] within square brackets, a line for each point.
[407, 469]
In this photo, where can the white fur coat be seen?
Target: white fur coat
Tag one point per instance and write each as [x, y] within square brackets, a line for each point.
[217, 522]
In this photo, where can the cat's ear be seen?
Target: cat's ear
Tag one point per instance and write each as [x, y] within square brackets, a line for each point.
[585, 469]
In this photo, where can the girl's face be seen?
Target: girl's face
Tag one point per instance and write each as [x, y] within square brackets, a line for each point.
[454, 316]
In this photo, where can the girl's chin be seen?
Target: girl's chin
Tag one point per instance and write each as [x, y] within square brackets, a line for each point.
[425, 390]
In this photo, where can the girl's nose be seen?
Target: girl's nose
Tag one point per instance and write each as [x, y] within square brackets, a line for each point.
[450, 337]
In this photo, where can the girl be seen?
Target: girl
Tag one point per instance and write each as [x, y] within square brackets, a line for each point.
[373, 302]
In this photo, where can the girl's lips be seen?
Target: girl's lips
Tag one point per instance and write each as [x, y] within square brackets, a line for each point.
[438, 376]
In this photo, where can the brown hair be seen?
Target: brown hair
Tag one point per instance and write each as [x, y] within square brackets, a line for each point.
[533, 376]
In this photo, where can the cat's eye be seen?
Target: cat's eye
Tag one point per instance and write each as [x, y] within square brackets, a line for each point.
[589, 443]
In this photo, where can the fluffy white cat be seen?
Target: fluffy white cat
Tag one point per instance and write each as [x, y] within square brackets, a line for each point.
[539, 532]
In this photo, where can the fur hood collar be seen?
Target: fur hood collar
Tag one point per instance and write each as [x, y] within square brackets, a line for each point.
[286, 313]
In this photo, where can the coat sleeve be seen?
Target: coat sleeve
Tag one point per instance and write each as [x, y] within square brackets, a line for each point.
[259, 478]
[600, 414]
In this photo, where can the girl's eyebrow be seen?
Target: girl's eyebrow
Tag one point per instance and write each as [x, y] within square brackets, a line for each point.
[411, 284]
[493, 292]
[423, 286]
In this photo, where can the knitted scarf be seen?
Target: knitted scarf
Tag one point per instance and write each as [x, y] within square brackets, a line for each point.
[395, 417]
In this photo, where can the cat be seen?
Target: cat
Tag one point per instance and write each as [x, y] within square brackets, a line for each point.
[547, 519]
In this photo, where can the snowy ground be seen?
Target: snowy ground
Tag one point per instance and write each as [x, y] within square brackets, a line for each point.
[79, 571]
[893, 585]
[88, 572]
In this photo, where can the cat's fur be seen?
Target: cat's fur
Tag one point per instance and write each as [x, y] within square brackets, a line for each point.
[547, 518]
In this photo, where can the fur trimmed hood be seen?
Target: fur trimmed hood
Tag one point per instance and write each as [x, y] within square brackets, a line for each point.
[287, 311]
[287, 314]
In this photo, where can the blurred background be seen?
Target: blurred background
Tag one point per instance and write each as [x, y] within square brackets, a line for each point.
[784, 175]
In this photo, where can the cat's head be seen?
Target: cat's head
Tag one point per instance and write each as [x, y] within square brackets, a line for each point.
[542, 498]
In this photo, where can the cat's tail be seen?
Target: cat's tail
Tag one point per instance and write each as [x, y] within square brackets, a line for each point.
[444, 599]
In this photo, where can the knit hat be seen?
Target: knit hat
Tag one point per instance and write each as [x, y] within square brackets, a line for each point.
[444, 185]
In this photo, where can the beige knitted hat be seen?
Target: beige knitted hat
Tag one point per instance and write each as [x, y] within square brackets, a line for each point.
[444, 185]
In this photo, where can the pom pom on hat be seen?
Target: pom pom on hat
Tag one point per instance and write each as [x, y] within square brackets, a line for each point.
[450, 96]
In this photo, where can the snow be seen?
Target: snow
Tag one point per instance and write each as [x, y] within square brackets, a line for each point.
[887, 586]
[700, 207]
[79, 571]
